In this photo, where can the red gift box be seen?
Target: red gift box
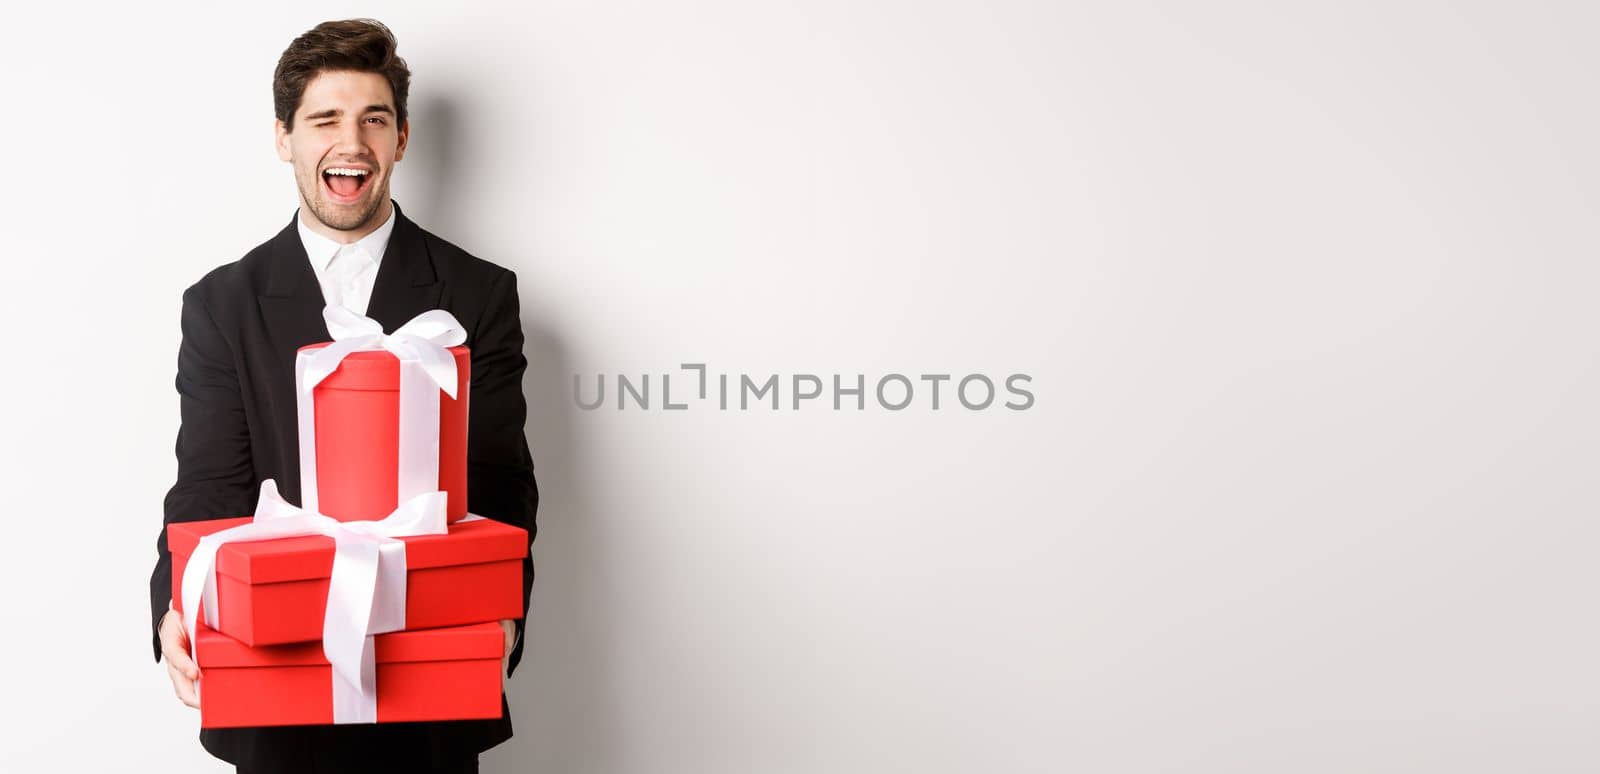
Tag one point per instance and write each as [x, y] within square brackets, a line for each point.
[275, 591]
[358, 436]
[424, 674]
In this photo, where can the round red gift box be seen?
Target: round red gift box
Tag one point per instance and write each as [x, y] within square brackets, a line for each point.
[358, 436]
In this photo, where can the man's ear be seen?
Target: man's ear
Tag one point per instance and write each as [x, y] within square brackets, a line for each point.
[282, 140]
[400, 146]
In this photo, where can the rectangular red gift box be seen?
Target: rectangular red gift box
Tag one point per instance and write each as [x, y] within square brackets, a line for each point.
[275, 591]
[424, 674]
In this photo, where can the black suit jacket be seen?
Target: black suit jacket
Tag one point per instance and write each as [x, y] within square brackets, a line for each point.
[242, 324]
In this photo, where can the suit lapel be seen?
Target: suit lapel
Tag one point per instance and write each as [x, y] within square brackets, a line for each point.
[406, 285]
[291, 303]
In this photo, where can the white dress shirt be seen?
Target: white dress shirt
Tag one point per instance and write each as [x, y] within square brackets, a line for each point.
[346, 272]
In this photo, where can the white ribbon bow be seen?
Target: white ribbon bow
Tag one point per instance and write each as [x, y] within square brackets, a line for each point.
[366, 590]
[426, 366]
[424, 339]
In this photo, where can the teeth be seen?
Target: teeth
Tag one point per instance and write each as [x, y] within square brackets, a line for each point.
[346, 172]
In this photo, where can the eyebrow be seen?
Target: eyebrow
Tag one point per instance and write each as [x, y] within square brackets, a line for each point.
[335, 112]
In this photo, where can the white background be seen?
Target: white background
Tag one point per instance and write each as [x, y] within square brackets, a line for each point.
[1307, 293]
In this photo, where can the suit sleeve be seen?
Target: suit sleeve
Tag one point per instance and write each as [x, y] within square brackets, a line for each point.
[216, 477]
[500, 482]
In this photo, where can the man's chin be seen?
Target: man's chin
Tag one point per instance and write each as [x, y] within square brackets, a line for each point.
[346, 217]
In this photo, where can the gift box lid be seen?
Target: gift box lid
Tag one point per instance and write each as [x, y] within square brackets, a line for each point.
[306, 557]
[376, 369]
[213, 649]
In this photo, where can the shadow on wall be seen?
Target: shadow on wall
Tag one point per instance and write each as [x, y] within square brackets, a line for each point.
[432, 160]
[562, 702]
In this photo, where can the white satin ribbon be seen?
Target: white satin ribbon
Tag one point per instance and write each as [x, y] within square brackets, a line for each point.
[426, 366]
[366, 590]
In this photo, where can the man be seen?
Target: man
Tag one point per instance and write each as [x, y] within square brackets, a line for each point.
[340, 98]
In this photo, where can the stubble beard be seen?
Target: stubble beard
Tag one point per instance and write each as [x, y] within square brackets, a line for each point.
[343, 217]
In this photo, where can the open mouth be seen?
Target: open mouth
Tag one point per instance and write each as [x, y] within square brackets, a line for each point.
[346, 184]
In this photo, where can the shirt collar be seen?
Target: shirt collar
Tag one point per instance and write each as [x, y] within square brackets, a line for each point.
[321, 250]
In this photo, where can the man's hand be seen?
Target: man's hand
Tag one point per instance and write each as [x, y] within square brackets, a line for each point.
[181, 668]
[510, 628]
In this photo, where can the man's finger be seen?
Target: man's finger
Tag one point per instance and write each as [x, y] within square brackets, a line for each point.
[509, 627]
[175, 645]
[183, 687]
[179, 660]
[175, 648]
[173, 635]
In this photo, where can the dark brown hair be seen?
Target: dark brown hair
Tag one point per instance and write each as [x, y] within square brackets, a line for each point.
[361, 45]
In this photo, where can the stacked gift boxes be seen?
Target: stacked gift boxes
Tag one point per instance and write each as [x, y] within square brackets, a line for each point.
[379, 600]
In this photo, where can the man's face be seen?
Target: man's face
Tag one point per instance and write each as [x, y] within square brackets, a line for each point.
[344, 146]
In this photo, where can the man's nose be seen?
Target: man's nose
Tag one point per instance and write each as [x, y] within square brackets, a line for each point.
[349, 139]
